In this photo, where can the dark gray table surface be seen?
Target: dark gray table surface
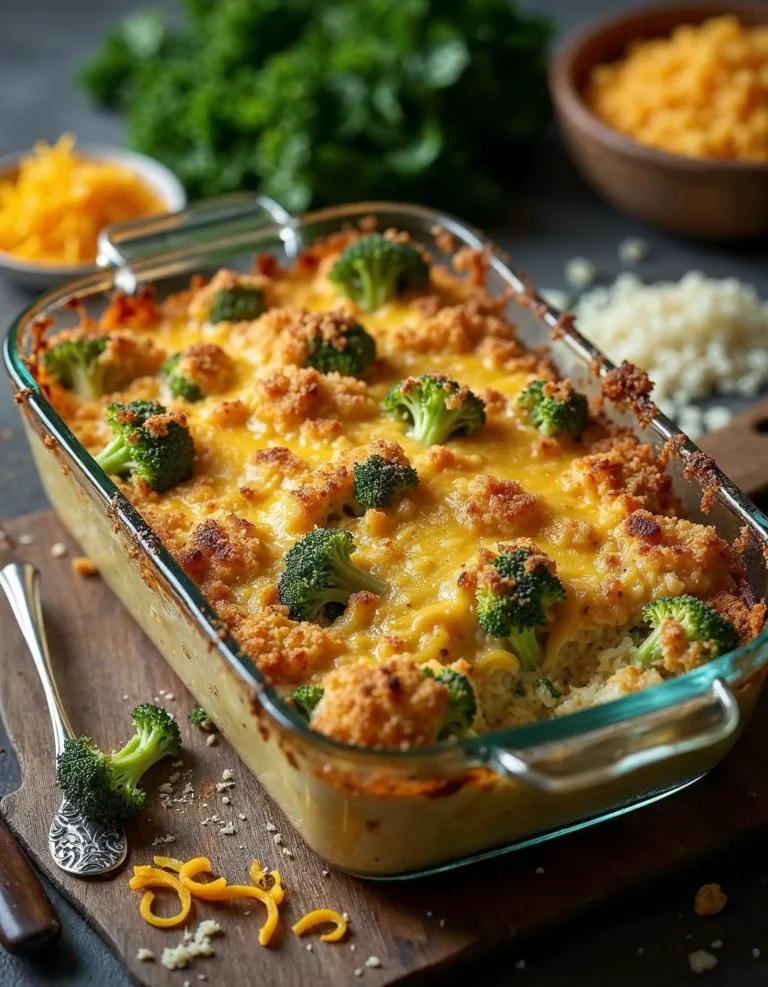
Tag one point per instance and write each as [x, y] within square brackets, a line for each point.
[643, 939]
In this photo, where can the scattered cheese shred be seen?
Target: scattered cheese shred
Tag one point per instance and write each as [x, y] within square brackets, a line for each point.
[215, 890]
[201, 865]
[276, 891]
[321, 916]
[153, 877]
[248, 891]
[54, 209]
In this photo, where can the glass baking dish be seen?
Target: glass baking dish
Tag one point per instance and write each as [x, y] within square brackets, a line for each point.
[371, 813]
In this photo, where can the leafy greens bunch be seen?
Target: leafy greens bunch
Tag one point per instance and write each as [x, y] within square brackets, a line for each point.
[317, 102]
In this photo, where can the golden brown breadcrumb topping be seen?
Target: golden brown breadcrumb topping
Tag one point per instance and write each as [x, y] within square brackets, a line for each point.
[390, 705]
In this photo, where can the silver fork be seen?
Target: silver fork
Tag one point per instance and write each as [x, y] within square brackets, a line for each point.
[79, 845]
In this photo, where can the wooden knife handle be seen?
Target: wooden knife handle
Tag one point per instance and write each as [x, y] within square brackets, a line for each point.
[27, 919]
[741, 449]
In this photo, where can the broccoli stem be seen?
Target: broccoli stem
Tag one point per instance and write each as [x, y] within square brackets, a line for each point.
[377, 286]
[88, 381]
[648, 652]
[526, 647]
[348, 578]
[116, 458]
[137, 757]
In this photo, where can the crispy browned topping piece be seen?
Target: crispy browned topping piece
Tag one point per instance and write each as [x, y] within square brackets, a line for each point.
[207, 366]
[627, 475]
[384, 706]
[454, 328]
[747, 617]
[286, 651]
[137, 311]
[629, 386]
[223, 547]
[499, 507]
[510, 356]
[710, 899]
[83, 566]
[297, 394]
[662, 548]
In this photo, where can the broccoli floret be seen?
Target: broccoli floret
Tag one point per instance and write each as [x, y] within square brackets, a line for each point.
[239, 304]
[436, 407]
[699, 622]
[75, 365]
[181, 386]
[306, 697]
[161, 456]
[379, 481]
[106, 786]
[462, 705]
[513, 600]
[350, 353]
[319, 577]
[554, 415]
[199, 718]
[374, 270]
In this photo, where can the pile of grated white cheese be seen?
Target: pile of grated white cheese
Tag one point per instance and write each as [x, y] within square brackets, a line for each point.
[695, 337]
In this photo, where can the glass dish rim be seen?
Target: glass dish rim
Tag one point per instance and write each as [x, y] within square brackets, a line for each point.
[475, 750]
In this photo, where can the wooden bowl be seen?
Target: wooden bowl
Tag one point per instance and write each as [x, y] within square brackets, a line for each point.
[710, 198]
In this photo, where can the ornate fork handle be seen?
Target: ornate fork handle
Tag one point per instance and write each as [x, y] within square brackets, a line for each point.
[21, 582]
[79, 845]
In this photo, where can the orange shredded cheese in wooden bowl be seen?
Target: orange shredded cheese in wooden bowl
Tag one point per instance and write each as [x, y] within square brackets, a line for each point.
[52, 211]
[701, 92]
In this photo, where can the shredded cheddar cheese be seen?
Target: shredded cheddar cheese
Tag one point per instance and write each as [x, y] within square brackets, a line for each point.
[216, 890]
[201, 865]
[153, 877]
[321, 916]
[702, 92]
[54, 209]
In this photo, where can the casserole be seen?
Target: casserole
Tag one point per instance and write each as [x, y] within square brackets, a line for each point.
[370, 812]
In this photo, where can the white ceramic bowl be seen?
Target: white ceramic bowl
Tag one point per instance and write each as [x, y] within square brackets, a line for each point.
[159, 178]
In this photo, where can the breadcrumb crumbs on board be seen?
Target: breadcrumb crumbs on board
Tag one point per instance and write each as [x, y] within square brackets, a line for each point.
[58, 550]
[25, 539]
[143, 954]
[191, 946]
[632, 250]
[580, 273]
[83, 566]
[701, 961]
[710, 899]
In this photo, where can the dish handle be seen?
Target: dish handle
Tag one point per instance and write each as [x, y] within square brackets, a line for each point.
[224, 223]
[603, 755]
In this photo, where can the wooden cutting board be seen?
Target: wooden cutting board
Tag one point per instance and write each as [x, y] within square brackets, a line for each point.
[105, 665]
